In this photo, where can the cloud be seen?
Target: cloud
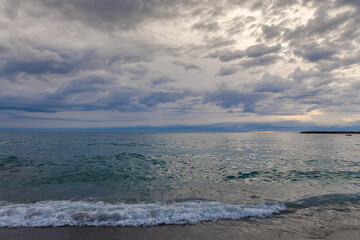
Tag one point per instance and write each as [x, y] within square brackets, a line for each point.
[339, 63]
[261, 49]
[218, 42]
[156, 98]
[164, 61]
[271, 31]
[227, 71]
[209, 27]
[299, 75]
[274, 84]
[186, 66]
[225, 97]
[322, 23]
[89, 84]
[284, 3]
[105, 15]
[88, 94]
[127, 59]
[227, 55]
[313, 53]
[162, 80]
[260, 61]
[115, 100]
[35, 67]
[62, 65]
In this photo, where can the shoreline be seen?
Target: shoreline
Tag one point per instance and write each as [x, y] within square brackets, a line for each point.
[207, 231]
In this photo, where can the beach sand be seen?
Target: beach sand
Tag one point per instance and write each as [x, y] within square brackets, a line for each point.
[207, 231]
[161, 232]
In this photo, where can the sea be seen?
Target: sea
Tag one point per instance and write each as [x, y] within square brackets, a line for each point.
[307, 184]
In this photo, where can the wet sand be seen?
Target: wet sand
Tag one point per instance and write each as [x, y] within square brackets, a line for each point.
[166, 232]
[207, 231]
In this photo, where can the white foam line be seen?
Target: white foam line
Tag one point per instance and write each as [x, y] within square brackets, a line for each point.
[83, 213]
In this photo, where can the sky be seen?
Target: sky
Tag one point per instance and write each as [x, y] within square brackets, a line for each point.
[102, 64]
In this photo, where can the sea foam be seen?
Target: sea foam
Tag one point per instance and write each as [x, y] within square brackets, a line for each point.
[85, 213]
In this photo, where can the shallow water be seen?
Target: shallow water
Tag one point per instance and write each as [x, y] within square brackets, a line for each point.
[95, 179]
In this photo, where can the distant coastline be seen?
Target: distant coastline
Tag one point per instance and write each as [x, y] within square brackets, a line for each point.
[331, 132]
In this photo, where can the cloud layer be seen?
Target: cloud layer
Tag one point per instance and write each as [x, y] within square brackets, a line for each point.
[162, 62]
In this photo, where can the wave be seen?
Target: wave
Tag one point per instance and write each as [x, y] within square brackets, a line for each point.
[327, 200]
[85, 213]
[120, 144]
[293, 175]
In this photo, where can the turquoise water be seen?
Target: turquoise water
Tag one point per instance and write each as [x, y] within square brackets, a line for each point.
[50, 179]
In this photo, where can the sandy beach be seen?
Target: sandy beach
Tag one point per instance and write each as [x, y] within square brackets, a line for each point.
[246, 229]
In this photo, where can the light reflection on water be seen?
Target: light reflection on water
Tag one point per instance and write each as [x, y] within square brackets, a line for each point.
[225, 167]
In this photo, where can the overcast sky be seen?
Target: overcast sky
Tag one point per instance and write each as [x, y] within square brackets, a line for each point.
[83, 63]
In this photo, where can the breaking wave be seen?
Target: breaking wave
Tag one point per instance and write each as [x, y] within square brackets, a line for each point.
[85, 213]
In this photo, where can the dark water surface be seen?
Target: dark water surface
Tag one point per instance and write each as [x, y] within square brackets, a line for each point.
[95, 179]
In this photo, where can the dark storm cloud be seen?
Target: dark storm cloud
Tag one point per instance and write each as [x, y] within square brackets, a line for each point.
[309, 97]
[162, 80]
[88, 94]
[91, 84]
[354, 3]
[186, 66]
[110, 14]
[227, 71]
[29, 104]
[156, 98]
[65, 64]
[300, 75]
[95, 93]
[260, 61]
[314, 53]
[341, 62]
[127, 59]
[227, 55]
[261, 49]
[258, 55]
[274, 84]
[48, 104]
[225, 97]
[35, 67]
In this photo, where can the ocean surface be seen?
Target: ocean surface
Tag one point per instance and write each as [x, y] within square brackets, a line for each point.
[305, 183]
